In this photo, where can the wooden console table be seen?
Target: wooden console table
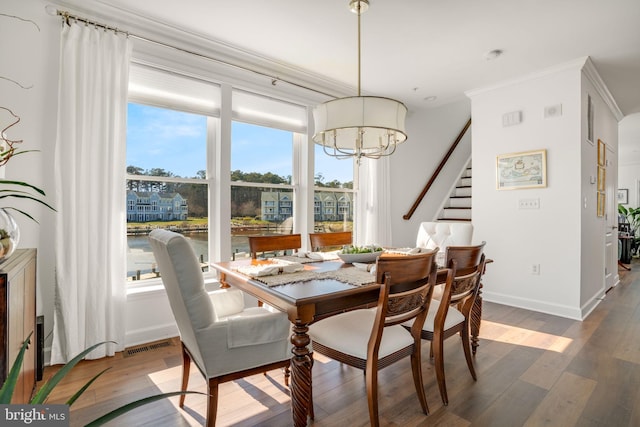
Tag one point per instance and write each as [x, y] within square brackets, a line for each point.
[18, 314]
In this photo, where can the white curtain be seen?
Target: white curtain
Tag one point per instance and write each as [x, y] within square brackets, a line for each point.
[373, 220]
[90, 155]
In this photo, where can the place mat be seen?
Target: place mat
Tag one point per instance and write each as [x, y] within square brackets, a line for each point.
[305, 257]
[269, 268]
[352, 276]
[295, 258]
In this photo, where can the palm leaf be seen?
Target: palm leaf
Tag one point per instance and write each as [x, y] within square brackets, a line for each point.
[6, 392]
[23, 184]
[23, 213]
[47, 388]
[25, 196]
[128, 407]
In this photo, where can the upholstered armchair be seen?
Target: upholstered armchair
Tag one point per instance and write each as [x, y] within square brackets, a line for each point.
[225, 340]
[443, 234]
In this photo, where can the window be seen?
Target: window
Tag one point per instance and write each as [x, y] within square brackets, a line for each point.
[178, 147]
[165, 189]
[261, 178]
[168, 136]
[334, 198]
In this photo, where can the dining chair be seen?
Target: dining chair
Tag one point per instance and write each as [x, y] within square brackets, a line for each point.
[273, 243]
[374, 339]
[450, 315]
[442, 234]
[319, 241]
[225, 340]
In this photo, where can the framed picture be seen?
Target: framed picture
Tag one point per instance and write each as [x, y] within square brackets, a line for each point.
[623, 196]
[601, 152]
[522, 170]
[600, 211]
[590, 119]
[601, 178]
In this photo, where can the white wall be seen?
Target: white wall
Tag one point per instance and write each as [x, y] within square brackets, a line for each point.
[31, 57]
[595, 265]
[564, 237]
[431, 133]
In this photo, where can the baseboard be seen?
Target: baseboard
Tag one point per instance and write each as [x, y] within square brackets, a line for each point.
[590, 305]
[132, 338]
[155, 333]
[569, 312]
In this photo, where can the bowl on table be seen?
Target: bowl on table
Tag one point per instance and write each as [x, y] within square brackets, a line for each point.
[360, 257]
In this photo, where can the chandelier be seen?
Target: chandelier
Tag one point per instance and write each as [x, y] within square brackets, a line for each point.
[359, 126]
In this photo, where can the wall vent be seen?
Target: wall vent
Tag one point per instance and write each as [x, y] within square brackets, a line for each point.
[132, 351]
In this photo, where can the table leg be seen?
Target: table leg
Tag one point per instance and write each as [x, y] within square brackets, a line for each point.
[476, 317]
[301, 363]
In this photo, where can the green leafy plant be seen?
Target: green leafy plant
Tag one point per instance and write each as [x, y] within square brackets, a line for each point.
[16, 189]
[361, 249]
[6, 392]
[632, 215]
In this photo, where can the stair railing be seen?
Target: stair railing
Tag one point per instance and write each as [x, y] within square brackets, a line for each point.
[437, 171]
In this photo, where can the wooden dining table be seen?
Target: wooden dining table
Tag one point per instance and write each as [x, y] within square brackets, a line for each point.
[304, 302]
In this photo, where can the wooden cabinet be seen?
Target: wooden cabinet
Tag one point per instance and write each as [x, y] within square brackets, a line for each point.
[18, 315]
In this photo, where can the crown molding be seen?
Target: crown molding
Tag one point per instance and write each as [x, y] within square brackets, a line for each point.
[592, 74]
[576, 65]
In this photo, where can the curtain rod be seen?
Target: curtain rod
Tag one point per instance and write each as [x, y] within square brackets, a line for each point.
[66, 16]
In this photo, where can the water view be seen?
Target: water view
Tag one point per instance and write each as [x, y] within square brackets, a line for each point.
[140, 259]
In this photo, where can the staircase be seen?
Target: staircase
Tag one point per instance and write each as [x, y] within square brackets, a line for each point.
[458, 207]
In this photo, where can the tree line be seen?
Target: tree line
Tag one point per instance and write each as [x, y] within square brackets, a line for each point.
[245, 201]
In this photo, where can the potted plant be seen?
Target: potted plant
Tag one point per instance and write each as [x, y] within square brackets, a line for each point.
[40, 397]
[632, 216]
[10, 189]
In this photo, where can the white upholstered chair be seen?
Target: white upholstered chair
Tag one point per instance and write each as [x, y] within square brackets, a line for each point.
[442, 234]
[374, 339]
[225, 340]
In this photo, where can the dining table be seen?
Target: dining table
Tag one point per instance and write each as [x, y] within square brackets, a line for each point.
[320, 289]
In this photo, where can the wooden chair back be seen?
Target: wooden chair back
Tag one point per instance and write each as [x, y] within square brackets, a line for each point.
[273, 243]
[467, 264]
[407, 284]
[325, 240]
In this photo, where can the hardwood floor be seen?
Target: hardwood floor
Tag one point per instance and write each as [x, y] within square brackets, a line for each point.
[533, 370]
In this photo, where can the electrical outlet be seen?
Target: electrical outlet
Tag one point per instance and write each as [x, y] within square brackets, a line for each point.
[535, 269]
[529, 204]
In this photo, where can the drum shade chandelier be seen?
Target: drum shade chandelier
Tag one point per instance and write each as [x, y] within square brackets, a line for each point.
[360, 126]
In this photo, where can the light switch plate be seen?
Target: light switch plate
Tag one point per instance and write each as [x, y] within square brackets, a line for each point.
[529, 204]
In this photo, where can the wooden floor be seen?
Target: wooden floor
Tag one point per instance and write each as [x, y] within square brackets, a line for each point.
[533, 370]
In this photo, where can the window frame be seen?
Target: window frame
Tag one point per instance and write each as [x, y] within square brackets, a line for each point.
[218, 162]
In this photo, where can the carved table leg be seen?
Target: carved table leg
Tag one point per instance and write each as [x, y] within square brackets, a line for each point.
[223, 281]
[301, 362]
[476, 317]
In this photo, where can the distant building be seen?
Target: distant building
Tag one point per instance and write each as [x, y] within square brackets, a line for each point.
[276, 206]
[332, 206]
[327, 206]
[144, 206]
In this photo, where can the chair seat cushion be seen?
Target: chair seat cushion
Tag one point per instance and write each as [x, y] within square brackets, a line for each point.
[255, 326]
[349, 333]
[454, 317]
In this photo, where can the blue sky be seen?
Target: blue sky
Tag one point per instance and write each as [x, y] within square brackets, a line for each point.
[176, 142]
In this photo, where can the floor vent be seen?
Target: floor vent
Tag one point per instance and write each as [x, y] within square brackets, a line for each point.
[132, 351]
